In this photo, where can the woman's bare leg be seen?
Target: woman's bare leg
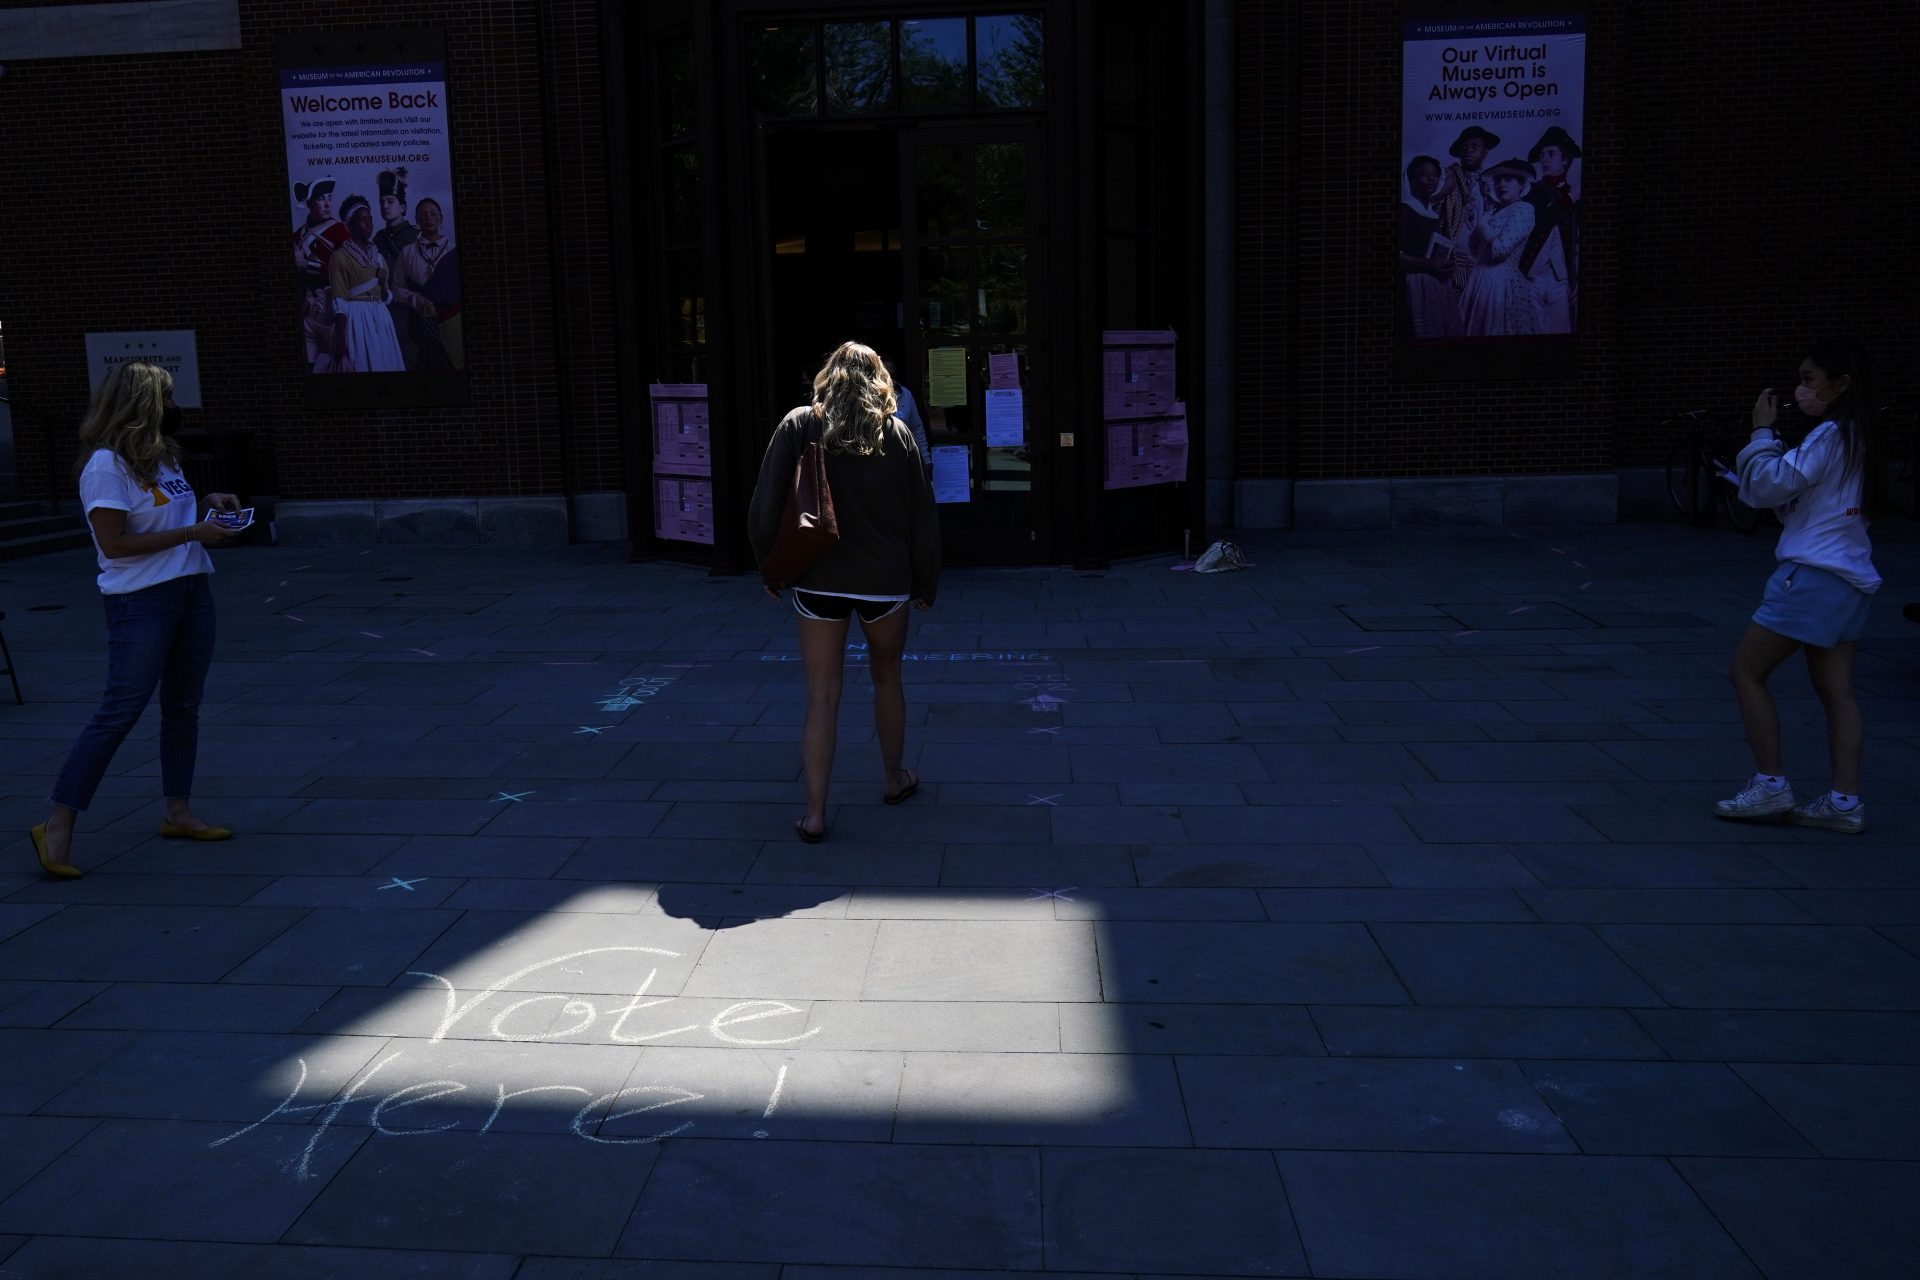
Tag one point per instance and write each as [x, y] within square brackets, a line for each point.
[823, 648]
[1760, 652]
[1832, 673]
[886, 642]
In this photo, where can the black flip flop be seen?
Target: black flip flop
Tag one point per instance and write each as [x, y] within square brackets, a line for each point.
[811, 837]
[905, 793]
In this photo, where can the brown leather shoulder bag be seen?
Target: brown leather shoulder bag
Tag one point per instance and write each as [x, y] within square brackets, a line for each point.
[808, 527]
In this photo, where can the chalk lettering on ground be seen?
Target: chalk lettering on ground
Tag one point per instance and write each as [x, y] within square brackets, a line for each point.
[577, 1014]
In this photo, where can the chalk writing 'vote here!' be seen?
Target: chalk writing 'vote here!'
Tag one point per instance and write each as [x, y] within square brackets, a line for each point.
[586, 1014]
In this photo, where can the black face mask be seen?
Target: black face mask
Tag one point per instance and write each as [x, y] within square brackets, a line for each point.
[170, 420]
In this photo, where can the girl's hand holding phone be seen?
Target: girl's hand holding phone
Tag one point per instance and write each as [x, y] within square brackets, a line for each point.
[1766, 409]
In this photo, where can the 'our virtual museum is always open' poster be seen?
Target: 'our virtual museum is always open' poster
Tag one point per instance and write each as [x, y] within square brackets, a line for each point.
[1492, 177]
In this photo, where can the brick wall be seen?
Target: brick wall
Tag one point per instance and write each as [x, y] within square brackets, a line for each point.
[158, 183]
[1744, 191]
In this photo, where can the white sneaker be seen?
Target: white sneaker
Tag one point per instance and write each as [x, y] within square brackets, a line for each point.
[1820, 812]
[1756, 800]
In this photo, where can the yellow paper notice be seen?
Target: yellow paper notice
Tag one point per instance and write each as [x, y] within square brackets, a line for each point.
[947, 376]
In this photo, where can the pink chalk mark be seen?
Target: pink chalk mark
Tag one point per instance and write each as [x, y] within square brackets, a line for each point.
[268, 600]
[425, 652]
[292, 618]
[1369, 649]
[1585, 585]
[283, 582]
[1557, 551]
[1578, 565]
[1525, 608]
[373, 635]
[1458, 634]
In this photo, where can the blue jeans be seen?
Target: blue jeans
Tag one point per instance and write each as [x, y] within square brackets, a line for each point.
[158, 636]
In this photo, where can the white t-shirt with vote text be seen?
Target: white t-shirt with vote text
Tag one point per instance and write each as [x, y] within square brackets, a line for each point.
[168, 504]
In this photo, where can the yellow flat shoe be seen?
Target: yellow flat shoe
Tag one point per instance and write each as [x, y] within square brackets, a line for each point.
[174, 831]
[58, 870]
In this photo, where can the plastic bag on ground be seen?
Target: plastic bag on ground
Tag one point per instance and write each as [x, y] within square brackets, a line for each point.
[1221, 557]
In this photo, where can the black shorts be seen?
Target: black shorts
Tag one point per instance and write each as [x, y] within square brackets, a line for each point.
[825, 608]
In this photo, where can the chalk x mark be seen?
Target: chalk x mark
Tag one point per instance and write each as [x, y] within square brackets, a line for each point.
[591, 729]
[1058, 895]
[1052, 728]
[512, 797]
[395, 882]
[1053, 800]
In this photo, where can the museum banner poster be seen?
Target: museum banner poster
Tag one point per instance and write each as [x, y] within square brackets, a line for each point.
[374, 304]
[1492, 177]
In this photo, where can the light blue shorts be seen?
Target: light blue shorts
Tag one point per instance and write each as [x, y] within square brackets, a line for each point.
[1813, 606]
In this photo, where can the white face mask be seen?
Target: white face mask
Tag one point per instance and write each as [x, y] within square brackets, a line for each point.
[1810, 402]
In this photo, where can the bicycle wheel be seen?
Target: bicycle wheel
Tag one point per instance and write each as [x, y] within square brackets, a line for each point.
[1686, 481]
[1741, 516]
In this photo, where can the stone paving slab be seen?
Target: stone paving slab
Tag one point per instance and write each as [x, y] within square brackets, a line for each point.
[1240, 922]
[1368, 1214]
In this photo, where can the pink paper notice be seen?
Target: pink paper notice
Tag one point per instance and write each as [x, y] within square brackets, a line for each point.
[1147, 451]
[683, 509]
[682, 439]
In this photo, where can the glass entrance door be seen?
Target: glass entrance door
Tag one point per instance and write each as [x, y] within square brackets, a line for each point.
[974, 292]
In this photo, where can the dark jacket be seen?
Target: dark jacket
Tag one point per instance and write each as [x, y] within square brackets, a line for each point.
[889, 532]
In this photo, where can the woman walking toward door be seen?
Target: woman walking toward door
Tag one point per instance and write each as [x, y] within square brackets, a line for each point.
[887, 556]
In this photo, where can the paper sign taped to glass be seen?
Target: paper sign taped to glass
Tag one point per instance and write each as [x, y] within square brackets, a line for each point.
[1146, 451]
[952, 478]
[1137, 373]
[1006, 418]
[946, 377]
[683, 509]
[682, 436]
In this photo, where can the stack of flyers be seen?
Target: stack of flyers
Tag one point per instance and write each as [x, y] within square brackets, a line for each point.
[232, 521]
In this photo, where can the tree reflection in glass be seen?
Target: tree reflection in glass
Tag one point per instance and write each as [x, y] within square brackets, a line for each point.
[933, 64]
[859, 67]
[1001, 200]
[784, 65]
[1012, 58]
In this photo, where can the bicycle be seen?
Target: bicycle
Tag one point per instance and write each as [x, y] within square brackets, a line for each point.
[1698, 470]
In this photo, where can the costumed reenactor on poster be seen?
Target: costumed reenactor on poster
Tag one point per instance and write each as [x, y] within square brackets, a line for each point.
[315, 239]
[1551, 258]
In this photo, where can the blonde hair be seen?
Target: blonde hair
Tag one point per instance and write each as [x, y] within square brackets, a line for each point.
[853, 397]
[125, 417]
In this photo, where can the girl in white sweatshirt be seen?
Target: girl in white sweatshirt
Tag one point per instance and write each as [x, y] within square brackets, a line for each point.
[1826, 491]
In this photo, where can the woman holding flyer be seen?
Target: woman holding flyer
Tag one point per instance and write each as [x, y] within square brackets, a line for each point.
[153, 561]
[887, 554]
